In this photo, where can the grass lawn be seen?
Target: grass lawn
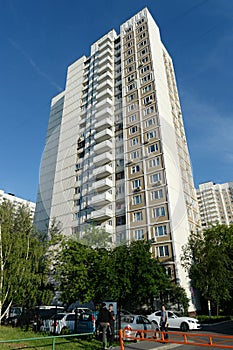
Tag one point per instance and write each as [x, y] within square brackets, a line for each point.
[68, 343]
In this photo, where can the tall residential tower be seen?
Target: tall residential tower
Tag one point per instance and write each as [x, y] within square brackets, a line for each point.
[215, 203]
[116, 153]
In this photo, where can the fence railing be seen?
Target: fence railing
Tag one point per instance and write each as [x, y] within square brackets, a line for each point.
[196, 339]
[52, 337]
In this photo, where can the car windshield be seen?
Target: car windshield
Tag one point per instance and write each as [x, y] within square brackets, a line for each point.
[58, 316]
[127, 319]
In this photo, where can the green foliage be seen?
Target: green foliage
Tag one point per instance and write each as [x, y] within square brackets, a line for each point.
[208, 258]
[127, 273]
[22, 279]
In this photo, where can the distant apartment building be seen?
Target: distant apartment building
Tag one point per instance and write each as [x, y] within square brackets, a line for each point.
[116, 154]
[215, 203]
[16, 201]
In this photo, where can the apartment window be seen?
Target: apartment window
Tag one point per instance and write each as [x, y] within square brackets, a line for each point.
[131, 97]
[137, 199]
[129, 44]
[120, 175]
[129, 60]
[152, 148]
[145, 69]
[156, 194]
[146, 78]
[132, 118]
[148, 99]
[134, 155]
[151, 134]
[133, 129]
[141, 36]
[135, 169]
[129, 52]
[163, 251]
[119, 137]
[141, 29]
[120, 189]
[131, 86]
[120, 220]
[160, 231]
[143, 52]
[147, 88]
[130, 78]
[158, 212]
[138, 234]
[150, 122]
[144, 60]
[136, 183]
[154, 162]
[155, 178]
[129, 69]
[137, 216]
[142, 43]
[131, 107]
[77, 190]
[134, 141]
[129, 37]
[149, 110]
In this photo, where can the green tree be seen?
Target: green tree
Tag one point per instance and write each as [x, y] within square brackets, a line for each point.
[208, 258]
[21, 258]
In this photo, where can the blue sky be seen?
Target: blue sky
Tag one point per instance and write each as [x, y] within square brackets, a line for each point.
[39, 39]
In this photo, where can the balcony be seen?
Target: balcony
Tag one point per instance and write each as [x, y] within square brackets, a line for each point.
[103, 124]
[104, 53]
[107, 93]
[103, 135]
[103, 159]
[102, 172]
[105, 76]
[105, 60]
[101, 200]
[102, 214]
[104, 85]
[103, 113]
[103, 147]
[107, 228]
[102, 185]
[107, 102]
[105, 68]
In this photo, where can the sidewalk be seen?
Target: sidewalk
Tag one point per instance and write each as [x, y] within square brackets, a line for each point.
[147, 345]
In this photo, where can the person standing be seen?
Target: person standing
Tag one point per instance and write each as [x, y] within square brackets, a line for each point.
[164, 321]
[111, 327]
[104, 322]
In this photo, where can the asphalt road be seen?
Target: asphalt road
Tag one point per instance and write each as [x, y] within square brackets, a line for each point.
[217, 330]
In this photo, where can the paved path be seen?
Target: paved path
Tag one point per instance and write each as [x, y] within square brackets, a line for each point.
[147, 345]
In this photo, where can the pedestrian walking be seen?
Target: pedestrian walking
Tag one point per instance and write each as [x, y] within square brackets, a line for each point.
[104, 322]
[164, 321]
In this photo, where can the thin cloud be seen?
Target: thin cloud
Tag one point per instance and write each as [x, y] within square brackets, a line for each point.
[34, 65]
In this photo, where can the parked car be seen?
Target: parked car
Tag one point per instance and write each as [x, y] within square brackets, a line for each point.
[64, 323]
[175, 322]
[133, 325]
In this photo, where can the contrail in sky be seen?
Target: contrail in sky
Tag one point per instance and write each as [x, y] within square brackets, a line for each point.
[34, 65]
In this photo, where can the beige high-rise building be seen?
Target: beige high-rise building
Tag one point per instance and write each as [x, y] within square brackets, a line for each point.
[116, 153]
[215, 203]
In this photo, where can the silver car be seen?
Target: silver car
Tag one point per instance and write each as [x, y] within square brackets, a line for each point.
[135, 325]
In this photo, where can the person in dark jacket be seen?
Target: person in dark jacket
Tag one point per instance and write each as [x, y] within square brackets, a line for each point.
[111, 327]
[104, 322]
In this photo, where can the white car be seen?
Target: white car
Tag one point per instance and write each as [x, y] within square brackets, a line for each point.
[175, 322]
[134, 325]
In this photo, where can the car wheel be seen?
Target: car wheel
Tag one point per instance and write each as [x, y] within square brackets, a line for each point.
[184, 327]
